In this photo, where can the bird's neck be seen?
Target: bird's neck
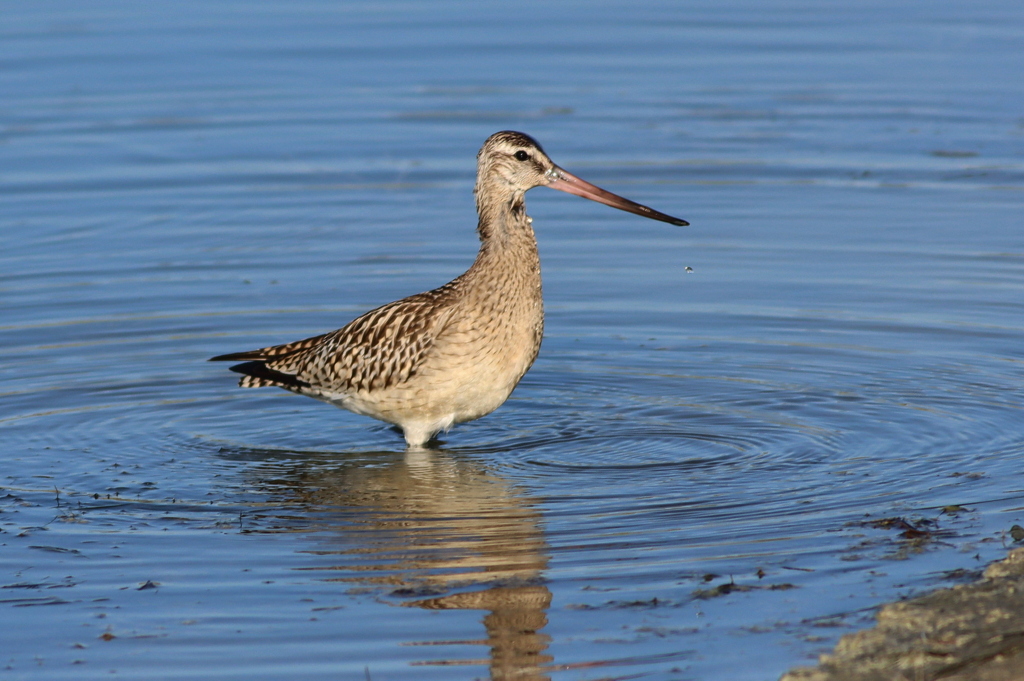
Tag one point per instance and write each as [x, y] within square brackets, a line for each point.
[503, 222]
[500, 208]
[507, 241]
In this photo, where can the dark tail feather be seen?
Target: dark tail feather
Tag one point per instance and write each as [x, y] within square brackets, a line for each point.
[239, 357]
[262, 375]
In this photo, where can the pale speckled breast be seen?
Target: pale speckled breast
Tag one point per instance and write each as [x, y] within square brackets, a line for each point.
[485, 354]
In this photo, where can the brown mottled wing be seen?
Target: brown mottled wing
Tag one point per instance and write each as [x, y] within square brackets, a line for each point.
[382, 348]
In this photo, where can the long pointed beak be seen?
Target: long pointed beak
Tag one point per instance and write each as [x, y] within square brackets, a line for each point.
[567, 182]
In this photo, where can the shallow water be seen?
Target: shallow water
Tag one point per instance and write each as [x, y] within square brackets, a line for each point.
[688, 483]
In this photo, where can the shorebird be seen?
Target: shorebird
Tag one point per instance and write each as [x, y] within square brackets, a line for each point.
[454, 354]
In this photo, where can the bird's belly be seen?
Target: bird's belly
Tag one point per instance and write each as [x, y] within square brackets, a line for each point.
[461, 380]
[479, 372]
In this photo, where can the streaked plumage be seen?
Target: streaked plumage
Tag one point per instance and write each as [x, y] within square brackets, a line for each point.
[453, 354]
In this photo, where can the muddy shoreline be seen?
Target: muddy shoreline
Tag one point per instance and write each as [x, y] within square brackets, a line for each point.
[970, 632]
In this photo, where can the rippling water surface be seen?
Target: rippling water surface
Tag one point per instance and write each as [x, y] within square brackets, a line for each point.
[706, 475]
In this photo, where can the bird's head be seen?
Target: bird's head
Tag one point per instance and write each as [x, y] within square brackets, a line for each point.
[512, 162]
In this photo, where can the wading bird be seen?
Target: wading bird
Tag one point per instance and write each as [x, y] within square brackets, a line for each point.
[454, 354]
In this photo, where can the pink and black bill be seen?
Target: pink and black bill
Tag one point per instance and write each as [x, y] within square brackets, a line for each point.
[567, 182]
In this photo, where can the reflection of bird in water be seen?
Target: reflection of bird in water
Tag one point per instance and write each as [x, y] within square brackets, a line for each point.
[453, 354]
[440, 530]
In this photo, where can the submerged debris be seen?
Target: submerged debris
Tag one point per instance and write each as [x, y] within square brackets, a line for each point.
[731, 587]
[909, 529]
[953, 509]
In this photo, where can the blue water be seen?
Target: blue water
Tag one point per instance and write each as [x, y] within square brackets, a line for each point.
[683, 487]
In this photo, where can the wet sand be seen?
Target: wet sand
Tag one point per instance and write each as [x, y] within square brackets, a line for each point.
[972, 632]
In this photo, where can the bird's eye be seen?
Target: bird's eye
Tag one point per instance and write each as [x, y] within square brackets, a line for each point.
[522, 155]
